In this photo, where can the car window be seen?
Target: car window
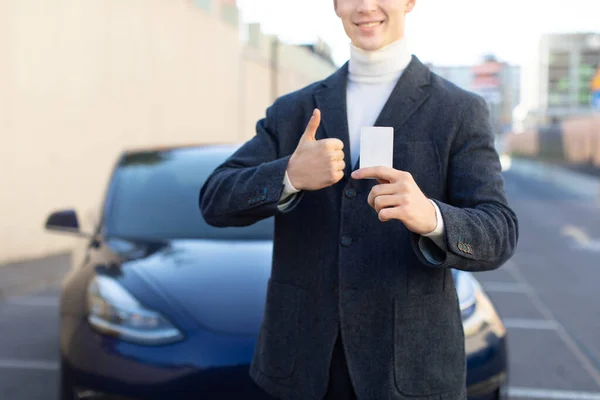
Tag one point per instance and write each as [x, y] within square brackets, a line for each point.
[155, 196]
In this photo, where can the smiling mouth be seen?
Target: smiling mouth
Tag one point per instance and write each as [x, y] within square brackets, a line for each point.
[369, 24]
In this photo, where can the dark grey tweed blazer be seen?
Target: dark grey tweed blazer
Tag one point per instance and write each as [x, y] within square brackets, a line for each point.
[335, 264]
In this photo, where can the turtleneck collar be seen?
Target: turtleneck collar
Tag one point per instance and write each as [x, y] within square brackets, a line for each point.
[378, 66]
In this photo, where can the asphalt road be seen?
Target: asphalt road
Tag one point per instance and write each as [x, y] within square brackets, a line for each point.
[548, 296]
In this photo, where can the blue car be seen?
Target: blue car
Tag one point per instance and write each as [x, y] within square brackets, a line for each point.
[160, 305]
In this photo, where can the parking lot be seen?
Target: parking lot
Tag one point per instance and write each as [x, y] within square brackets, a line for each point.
[548, 296]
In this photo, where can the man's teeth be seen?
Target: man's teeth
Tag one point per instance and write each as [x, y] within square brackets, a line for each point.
[370, 24]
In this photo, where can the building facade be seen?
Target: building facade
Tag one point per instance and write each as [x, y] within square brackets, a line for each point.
[497, 82]
[558, 82]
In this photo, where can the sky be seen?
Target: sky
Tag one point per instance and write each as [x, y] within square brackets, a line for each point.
[443, 32]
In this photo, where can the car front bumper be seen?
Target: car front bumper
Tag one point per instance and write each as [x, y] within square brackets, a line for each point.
[102, 367]
[486, 348]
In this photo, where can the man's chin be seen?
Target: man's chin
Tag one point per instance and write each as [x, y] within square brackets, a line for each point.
[371, 44]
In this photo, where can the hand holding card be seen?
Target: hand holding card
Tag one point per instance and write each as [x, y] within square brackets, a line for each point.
[396, 196]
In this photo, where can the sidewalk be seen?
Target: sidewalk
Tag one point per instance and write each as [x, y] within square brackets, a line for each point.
[580, 184]
[23, 277]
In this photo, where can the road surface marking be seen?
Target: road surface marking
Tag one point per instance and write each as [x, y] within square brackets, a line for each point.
[586, 362]
[582, 240]
[28, 364]
[518, 323]
[530, 393]
[504, 287]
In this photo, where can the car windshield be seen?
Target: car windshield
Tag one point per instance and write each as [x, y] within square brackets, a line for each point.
[154, 195]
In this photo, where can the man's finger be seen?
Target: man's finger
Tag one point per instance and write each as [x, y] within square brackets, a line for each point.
[379, 173]
[313, 125]
[337, 176]
[382, 190]
[385, 201]
[332, 144]
[337, 155]
[388, 214]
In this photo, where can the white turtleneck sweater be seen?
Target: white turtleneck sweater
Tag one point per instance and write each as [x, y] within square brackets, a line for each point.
[372, 75]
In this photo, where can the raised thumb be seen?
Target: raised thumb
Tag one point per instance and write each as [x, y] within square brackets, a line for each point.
[313, 125]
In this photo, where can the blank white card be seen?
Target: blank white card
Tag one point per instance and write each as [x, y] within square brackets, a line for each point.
[376, 146]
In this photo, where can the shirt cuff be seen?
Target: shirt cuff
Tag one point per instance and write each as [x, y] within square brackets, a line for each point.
[439, 228]
[287, 196]
[288, 188]
[285, 203]
[437, 235]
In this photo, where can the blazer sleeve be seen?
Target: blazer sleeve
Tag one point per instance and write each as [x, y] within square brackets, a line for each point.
[247, 187]
[481, 230]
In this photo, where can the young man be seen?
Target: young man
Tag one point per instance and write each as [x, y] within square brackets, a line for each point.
[361, 302]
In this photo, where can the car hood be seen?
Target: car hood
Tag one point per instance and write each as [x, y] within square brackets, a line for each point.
[220, 284]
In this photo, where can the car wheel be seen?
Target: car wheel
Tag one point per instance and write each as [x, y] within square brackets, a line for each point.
[66, 389]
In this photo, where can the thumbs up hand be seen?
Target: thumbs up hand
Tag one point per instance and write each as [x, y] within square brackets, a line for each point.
[316, 164]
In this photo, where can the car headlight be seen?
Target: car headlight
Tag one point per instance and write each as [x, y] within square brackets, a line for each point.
[113, 311]
[476, 308]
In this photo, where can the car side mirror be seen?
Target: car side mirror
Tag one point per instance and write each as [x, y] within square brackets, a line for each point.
[65, 221]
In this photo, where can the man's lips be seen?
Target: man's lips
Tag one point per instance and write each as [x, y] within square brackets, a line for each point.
[368, 24]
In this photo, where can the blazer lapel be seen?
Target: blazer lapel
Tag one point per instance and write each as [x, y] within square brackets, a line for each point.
[331, 100]
[406, 97]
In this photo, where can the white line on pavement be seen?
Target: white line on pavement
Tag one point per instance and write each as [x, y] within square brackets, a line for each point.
[587, 364]
[582, 241]
[504, 287]
[518, 323]
[28, 364]
[530, 393]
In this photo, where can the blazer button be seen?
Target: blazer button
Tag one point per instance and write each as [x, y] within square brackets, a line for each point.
[346, 241]
[350, 193]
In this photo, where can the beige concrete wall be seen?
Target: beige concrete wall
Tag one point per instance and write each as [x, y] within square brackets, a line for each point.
[525, 143]
[579, 141]
[81, 81]
[296, 68]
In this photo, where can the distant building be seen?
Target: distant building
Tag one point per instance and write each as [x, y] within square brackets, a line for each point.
[459, 75]
[558, 82]
[497, 82]
[322, 50]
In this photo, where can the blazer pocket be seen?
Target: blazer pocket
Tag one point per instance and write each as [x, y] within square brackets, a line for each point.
[421, 159]
[429, 345]
[278, 338]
